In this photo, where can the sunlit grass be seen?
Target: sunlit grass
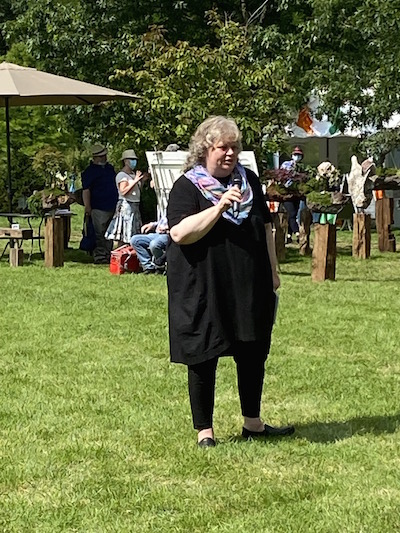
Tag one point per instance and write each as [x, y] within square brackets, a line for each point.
[96, 433]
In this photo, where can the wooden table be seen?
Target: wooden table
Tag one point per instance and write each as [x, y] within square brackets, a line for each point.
[21, 234]
[57, 230]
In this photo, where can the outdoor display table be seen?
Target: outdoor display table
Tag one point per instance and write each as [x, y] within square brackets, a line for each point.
[56, 236]
[17, 236]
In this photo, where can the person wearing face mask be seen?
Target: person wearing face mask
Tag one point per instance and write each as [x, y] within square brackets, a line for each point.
[100, 197]
[292, 206]
[127, 220]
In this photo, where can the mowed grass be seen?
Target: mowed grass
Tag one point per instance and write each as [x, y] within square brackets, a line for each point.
[95, 425]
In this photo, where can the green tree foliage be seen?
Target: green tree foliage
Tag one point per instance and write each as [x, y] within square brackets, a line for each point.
[31, 128]
[87, 39]
[181, 84]
[379, 144]
[258, 61]
[6, 15]
[348, 51]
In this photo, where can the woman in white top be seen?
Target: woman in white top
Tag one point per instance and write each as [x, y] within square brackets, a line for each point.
[127, 220]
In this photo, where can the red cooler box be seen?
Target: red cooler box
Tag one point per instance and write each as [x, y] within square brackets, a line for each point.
[124, 259]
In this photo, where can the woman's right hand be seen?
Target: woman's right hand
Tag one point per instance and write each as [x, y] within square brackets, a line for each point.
[231, 195]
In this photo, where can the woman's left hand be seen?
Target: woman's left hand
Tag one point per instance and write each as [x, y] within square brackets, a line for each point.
[276, 282]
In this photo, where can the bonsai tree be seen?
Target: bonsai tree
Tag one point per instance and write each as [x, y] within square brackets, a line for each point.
[50, 162]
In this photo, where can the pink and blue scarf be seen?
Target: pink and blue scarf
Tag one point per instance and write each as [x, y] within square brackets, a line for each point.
[212, 190]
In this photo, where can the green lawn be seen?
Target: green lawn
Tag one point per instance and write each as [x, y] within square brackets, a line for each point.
[95, 431]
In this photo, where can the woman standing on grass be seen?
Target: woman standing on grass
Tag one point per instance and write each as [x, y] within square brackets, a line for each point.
[127, 220]
[221, 276]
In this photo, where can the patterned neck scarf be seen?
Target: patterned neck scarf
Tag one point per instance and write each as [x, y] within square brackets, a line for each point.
[212, 190]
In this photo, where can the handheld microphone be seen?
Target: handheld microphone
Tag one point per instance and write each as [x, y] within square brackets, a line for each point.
[236, 180]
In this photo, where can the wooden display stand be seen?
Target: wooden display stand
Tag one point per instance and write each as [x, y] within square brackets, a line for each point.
[324, 253]
[66, 230]
[54, 242]
[15, 238]
[16, 257]
[279, 221]
[384, 219]
[304, 232]
[361, 235]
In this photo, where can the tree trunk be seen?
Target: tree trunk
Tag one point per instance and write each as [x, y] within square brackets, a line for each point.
[324, 253]
[361, 235]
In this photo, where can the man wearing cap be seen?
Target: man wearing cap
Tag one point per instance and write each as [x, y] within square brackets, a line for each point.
[292, 206]
[100, 197]
[297, 156]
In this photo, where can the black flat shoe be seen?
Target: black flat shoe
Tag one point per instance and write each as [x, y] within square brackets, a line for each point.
[207, 442]
[268, 431]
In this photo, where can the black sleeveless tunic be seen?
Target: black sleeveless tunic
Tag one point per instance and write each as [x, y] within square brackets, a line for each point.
[219, 288]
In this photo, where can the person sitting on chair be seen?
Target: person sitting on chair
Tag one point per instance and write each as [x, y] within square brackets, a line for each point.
[150, 246]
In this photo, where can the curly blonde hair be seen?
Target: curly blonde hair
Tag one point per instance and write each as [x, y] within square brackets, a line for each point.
[210, 132]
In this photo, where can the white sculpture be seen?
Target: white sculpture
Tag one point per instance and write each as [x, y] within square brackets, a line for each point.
[360, 186]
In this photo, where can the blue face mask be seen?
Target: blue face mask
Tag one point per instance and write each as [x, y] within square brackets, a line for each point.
[132, 163]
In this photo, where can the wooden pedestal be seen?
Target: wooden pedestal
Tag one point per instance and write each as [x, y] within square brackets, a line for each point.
[384, 219]
[324, 253]
[279, 221]
[361, 235]
[66, 230]
[54, 242]
[304, 232]
[16, 256]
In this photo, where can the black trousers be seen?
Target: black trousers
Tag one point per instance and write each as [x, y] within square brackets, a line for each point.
[292, 208]
[250, 360]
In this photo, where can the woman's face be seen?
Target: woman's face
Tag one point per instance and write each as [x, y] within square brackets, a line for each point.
[222, 158]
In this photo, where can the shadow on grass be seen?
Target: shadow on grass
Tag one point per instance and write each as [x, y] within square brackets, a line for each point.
[375, 280]
[344, 251]
[298, 274]
[292, 256]
[74, 255]
[328, 432]
[334, 431]
[71, 255]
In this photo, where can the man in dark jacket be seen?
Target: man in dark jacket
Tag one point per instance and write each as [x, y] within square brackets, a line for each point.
[100, 197]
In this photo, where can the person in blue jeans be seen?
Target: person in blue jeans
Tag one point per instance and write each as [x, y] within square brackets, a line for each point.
[150, 246]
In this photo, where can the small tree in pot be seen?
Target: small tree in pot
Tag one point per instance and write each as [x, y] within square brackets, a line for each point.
[50, 162]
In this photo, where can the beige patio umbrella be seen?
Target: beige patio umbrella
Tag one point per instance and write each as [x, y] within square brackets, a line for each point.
[25, 86]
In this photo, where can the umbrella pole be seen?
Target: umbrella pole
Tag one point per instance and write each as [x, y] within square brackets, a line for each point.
[9, 187]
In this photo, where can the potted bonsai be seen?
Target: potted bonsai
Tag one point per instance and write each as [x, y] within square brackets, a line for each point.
[50, 162]
[322, 190]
